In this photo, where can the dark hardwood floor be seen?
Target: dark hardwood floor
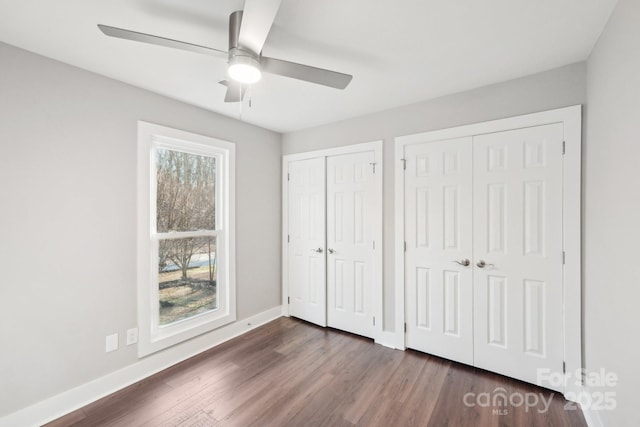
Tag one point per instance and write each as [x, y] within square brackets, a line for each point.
[291, 373]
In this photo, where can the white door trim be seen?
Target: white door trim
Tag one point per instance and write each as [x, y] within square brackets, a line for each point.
[571, 118]
[376, 147]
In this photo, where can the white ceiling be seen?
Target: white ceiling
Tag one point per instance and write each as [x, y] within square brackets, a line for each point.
[399, 52]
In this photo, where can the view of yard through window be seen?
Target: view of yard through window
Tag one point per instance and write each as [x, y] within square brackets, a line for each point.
[185, 202]
[186, 292]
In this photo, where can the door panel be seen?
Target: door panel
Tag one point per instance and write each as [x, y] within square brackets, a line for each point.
[518, 233]
[351, 202]
[438, 221]
[497, 200]
[307, 240]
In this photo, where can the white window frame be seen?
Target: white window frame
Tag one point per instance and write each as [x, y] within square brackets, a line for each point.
[152, 336]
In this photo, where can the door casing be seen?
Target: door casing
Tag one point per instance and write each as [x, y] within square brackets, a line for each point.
[571, 119]
[376, 147]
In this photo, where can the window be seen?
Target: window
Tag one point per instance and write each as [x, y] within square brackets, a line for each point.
[186, 275]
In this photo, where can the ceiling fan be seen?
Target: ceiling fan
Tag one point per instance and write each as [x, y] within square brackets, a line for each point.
[248, 30]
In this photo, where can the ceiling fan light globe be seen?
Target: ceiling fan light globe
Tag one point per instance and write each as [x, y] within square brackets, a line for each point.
[244, 69]
[244, 73]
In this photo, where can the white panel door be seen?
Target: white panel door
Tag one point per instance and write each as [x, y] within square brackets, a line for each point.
[306, 263]
[438, 234]
[351, 210]
[518, 235]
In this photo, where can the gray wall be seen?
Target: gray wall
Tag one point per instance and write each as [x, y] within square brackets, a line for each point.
[612, 211]
[553, 89]
[68, 219]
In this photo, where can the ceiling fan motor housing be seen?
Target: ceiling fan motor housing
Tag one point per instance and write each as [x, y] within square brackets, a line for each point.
[244, 65]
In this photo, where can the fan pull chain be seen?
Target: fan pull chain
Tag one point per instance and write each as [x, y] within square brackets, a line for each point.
[249, 97]
[241, 100]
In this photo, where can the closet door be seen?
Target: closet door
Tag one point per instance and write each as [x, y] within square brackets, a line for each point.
[518, 251]
[351, 210]
[306, 263]
[438, 234]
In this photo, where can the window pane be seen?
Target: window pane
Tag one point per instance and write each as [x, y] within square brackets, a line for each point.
[187, 274]
[185, 192]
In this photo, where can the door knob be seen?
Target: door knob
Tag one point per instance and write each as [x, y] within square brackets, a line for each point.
[465, 262]
[319, 250]
[331, 251]
[483, 264]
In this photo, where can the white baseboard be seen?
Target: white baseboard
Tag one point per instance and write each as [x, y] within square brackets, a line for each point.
[389, 339]
[70, 400]
[591, 416]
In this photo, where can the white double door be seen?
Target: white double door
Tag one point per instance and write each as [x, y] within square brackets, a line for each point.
[332, 203]
[484, 257]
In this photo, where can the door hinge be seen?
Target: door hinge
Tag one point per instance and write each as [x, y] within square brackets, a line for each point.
[405, 327]
[564, 257]
[374, 320]
[405, 246]
[374, 245]
[564, 367]
[288, 177]
[288, 238]
[404, 164]
[374, 166]
[564, 147]
[288, 300]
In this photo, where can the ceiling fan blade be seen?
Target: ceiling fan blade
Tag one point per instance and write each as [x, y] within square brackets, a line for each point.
[235, 91]
[160, 41]
[305, 72]
[257, 19]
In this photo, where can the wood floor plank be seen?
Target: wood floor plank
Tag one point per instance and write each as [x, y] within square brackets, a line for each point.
[451, 408]
[292, 373]
[366, 395]
[74, 418]
[421, 400]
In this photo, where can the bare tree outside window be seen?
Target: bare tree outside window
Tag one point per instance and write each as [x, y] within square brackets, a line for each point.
[185, 201]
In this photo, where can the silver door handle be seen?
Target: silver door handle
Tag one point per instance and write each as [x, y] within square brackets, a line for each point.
[483, 264]
[331, 251]
[464, 262]
[319, 250]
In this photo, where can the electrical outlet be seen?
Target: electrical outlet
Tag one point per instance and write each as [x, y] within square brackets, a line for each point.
[111, 343]
[132, 336]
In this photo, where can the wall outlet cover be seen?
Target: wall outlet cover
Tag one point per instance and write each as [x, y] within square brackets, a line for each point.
[111, 343]
[132, 336]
